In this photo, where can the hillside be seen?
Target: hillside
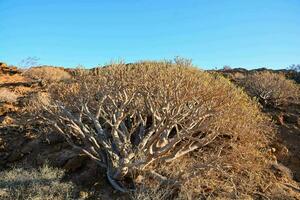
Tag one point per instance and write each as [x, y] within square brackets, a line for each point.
[27, 142]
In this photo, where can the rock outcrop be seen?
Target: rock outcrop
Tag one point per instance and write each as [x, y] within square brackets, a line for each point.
[5, 69]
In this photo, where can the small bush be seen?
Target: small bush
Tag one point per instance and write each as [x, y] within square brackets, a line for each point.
[7, 96]
[271, 88]
[47, 74]
[41, 184]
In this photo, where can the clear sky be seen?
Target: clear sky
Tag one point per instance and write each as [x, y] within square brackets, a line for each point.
[213, 33]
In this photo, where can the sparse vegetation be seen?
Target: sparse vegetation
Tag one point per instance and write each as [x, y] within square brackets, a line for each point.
[271, 88]
[41, 184]
[47, 74]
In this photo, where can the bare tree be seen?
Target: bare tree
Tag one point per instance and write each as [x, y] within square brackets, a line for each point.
[29, 62]
[295, 67]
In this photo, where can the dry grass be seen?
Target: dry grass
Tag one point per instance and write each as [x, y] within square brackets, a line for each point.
[271, 88]
[152, 192]
[7, 96]
[42, 184]
[47, 74]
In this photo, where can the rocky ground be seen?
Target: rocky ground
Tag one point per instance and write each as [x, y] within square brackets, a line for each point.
[287, 144]
[22, 144]
[286, 119]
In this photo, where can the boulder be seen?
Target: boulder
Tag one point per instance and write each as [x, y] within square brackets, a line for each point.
[75, 163]
[4, 69]
[89, 175]
[59, 159]
[30, 146]
[3, 65]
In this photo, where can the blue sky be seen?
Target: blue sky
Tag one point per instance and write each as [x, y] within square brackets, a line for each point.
[213, 33]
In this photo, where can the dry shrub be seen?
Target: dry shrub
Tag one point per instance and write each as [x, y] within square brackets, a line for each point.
[42, 184]
[271, 88]
[47, 74]
[182, 110]
[7, 96]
